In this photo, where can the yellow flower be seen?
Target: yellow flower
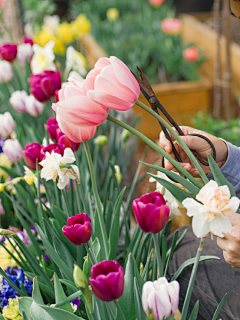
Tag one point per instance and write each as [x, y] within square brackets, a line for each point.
[80, 26]
[118, 174]
[11, 311]
[29, 176]
[1, 187]
[64, 32]
[43, 37]
[5, 162]
[112, 14]
[5, 258]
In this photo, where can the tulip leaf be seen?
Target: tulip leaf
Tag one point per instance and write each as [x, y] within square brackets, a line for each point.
[189, 262]
[219, 177]
[114, 230]
[194, 312]
[179, 179]
[69, 284]
[68, 300]
[36, 294]
[177, 192]
[219, 307]
[24, 304]
[86, 266]
[11, 172]
[139, 310]
[60, 295]
[1, 317]
[146, 268]
[96, 247]
[126, 301]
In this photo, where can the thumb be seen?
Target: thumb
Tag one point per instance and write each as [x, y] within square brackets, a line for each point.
[193, 142]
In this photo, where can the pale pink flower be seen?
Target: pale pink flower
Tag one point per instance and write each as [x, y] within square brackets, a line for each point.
[212, 214]
[2, 211]
[13, 150]
[33, 106]
[112, 84]
[24, 52]
[6, 72]
[156, 3]
[6, 124]
[17, 100]
[160, 297]
[171, 25]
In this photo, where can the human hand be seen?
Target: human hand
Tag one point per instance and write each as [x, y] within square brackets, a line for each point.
[235, 8]
[198, 144]
[230, 243]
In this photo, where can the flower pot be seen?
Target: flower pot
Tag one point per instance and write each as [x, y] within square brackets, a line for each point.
[181, 99]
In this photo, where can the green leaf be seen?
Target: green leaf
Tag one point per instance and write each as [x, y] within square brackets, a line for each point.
[177, 192]
[126, 301]
[173, 246]
[11, 172]
[194, 313]
[69, 299]
[96, 247]
[184, 182]
[139, 310]
[218, 176]
[24, 304]
[146, 268]
[189, 262]
[69, 284]
[36, 294]
[86, 266]
[60, 295]
[114, 230]
[219, 307]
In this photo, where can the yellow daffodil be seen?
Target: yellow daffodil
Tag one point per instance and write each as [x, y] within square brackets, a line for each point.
[64, 32]
[112, 14]
[11, 311]
[5, 258]
[80, 26]
[5, 162]
[29, 176]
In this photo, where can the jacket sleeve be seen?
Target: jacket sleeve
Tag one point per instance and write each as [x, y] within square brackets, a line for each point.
[231, 168]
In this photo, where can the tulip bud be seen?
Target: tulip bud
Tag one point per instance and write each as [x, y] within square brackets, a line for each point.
[171, 26]
[151, 212]
[7, 124]
[191, 54]
[24, 53]
[79, 229]
[107, 280]
[44, 85]
[13, 150]
[125, 135]
[8, 51]
[160, 298]
[100, 140]
[118, 174]
[33, 106]
[17, 100]
[32, 153]
[6, 72]
[63, 139]
[52, 126]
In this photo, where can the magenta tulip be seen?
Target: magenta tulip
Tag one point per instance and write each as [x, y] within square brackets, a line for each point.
[77, 115]
[53, 147]
[32, 153]
[52, 126]
[151, 212]
[112, 84]
[63, 139]
[79, 229]
[107, 280]
[28, 40]
[44, 85]
[8, 52]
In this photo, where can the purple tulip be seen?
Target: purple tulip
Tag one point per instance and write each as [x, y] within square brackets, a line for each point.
[151, 212]
[107, 280]
[79, 229]
[8, 52]
[44, 85]
[63, 139]
[52, 126]
[31, 153]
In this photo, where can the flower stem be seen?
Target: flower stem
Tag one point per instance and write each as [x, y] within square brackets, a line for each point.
[176, 136]
[156, 148]
[157, 252]
[119, 310]
[191, 281]
[91, 255]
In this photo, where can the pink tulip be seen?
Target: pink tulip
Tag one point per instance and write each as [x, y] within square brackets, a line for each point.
[112, 84]
[8, 52]
[151, 212]
[191, 54]
[32, 153]
[76, 114]
[13, 150]
[156, 3]
[52, 127]
[18, 100]
[171, 25]
[6, 124]
[33, 106]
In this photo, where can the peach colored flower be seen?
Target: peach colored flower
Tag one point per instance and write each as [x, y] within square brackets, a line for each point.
[191, 54]
[156, 3]
[212, 214]
[171, 25]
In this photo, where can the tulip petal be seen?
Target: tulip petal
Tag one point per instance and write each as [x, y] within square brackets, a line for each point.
[102, 62]
[159, 303]
[158, 218]
[100, 290]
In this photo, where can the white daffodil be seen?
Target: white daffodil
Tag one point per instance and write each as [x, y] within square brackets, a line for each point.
[170, 200]
[43, 58]
[29, 176]
[212, 214]
[55, 165]
[75, 61]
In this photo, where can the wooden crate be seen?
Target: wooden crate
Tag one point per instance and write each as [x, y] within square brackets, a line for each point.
[181, 99]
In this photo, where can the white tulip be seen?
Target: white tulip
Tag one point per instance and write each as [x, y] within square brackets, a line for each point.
[24, 52]
[212, 214]
[6, 72]
[6, 124]
[33, 106]
[17, 100]
[13, 150]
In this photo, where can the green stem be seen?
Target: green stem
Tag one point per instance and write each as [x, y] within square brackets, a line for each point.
[91, 256]
[156, 148]
[119, 310]
[191, 281]
[176, 136]
[157, 252]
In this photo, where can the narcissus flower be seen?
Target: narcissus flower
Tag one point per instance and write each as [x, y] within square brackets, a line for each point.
[160, 298]
[75, 61]
[112, 84]
[79, 229]
[55, 165]
[171, 26]
[151, 212]
[43, 58]
[191, 54]
[107, 280]
[212, 214]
